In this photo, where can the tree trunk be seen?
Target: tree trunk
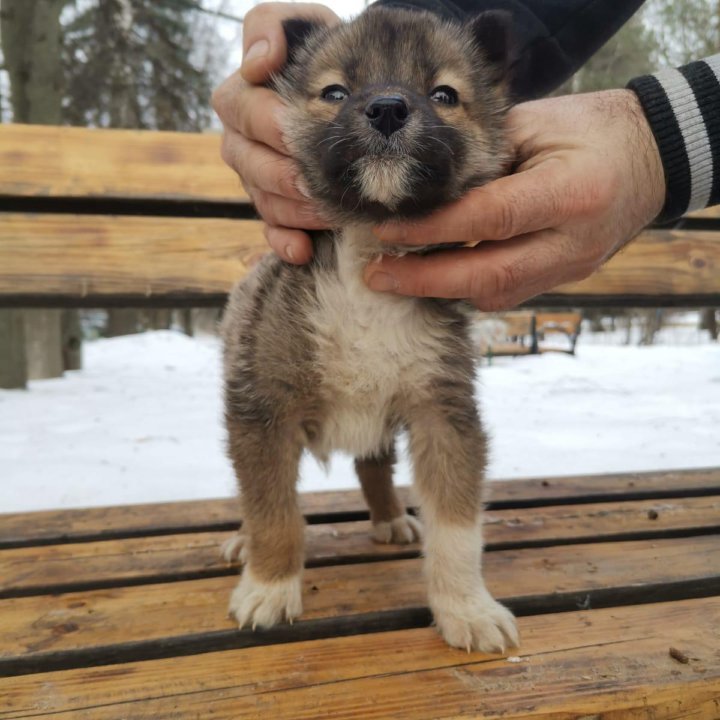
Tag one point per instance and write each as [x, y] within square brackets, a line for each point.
[708, 321]
[71, 340]
[31, 41]
[13, 365]
[123, 321]
[43, 340]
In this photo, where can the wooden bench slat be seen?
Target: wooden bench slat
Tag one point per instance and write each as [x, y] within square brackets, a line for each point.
[579, 663]
[95, 255]
[76, 257]
[148, 620]
[658, 262]
[58, 526]
[44, 161]
[63, 568]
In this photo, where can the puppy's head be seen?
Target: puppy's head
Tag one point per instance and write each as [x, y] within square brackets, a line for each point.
[396, 112]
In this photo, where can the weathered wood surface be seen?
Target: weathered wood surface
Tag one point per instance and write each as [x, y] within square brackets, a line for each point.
[41, 161]
[142, 620]
[611, 663]
[68, 567]
[93, 255]
[75, 257]
[60, 526]
[658, 262]
[114, 628]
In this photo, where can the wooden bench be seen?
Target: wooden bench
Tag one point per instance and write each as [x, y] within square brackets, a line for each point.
[524, 332]
[120, 612]
[96, 218]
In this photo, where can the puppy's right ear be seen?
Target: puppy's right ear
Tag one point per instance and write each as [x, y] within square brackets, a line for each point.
[297, 32]
[493, 34]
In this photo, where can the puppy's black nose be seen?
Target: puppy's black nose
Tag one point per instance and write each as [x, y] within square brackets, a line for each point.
[387, 113]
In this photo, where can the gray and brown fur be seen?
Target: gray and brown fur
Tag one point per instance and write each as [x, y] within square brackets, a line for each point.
[316, 361]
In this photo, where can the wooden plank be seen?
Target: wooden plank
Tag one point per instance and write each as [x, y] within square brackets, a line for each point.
[89, 255]
[71, 567]
[612, 662]
[74, 257]
[130, 623]
[658, 262]
[42, 161]
[59, 526]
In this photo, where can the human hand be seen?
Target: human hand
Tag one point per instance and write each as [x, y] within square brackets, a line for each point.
[252, 138]
[588, 179]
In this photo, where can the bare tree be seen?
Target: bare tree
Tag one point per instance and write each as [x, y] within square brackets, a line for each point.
[31, 41]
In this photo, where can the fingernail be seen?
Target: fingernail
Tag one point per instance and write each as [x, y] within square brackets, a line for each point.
[382, 282]
[256, 51]
[303, 188]
[290, 253]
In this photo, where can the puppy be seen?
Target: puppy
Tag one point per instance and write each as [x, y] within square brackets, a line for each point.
[391, 115]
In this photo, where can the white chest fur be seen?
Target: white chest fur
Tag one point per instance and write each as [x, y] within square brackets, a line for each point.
[370, 347]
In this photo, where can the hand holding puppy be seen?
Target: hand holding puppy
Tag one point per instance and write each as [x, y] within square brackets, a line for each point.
[588, 178]
[252, 141]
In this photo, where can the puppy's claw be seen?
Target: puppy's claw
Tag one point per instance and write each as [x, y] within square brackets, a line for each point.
[234, 549]
[477, 623]
[257, 603]
[401, 530]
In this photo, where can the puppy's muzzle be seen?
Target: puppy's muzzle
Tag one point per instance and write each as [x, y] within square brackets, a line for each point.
[387, 113]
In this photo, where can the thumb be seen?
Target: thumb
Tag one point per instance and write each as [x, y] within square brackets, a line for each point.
[264, 44]
[264, 41]
[531, 200]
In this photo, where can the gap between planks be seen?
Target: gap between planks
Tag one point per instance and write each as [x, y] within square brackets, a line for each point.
[170, 558]
[577, 664]
[105, 523]
[131, 623]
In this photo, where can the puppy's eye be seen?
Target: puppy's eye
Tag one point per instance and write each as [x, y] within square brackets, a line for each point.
[334, 93]
[444, 95]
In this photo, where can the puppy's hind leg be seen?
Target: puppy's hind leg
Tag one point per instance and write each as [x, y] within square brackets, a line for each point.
[391, 524]
[271, 540]
[447, 447]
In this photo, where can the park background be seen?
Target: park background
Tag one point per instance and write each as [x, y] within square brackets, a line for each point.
[124, 405]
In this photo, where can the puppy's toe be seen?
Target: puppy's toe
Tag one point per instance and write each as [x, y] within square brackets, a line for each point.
[256, 603]
[234, 549]
[478, 623]
[400, 530]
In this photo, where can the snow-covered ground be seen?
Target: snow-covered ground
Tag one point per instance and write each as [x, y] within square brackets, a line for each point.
[142, 421]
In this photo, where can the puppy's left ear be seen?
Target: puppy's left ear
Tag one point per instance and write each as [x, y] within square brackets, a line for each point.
[297, 33]
[492, 31]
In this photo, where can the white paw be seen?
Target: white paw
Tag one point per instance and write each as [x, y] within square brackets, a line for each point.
[234, 549]
[257, 603]
[475, 623]
[400, 530]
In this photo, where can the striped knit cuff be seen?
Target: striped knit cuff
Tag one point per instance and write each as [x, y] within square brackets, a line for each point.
[683, 109]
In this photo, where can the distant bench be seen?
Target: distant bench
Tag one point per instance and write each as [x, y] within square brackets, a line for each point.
[97, 218]
[525, 332]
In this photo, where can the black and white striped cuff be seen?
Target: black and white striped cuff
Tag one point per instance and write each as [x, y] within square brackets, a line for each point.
[683, 109]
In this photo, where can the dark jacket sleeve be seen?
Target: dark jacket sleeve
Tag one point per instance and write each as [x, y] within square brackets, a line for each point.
[551, 38]
[683, 109]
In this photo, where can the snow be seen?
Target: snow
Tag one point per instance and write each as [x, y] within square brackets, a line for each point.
[143, 421]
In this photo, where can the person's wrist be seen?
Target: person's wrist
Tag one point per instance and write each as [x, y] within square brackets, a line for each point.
[649, 174]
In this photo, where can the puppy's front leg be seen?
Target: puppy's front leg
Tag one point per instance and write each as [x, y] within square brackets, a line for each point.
[266, 464]
[390, 522]
[448, 451]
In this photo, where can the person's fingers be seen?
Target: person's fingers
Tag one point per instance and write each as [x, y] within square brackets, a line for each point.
[264, 44]
[532, 200]
[261, 167]
[493, 277]
[281, 211]
[252, 111]
[291, 245]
